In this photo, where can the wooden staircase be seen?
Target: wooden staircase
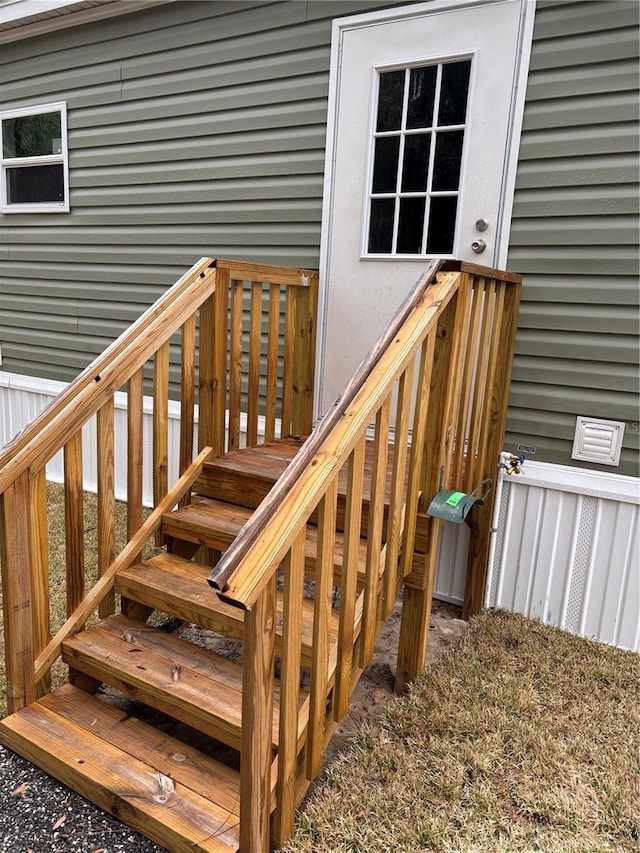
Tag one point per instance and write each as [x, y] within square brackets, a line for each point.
[287, 555]
[169, 788]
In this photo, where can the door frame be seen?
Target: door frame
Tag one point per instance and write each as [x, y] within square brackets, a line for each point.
[516, 112]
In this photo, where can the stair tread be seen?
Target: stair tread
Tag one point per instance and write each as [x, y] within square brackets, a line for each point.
[175, 795]
[179, 587]
[216, 523]
[192, 684]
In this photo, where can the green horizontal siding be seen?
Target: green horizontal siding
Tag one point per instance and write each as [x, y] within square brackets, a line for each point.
[199, 128]
[574, 233]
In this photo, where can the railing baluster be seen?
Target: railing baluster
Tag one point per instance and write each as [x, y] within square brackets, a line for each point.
[349, 580]
[187, 395]
[206, 377]
[289, 690]
[160, 427]
[375, 554]
[257, 722]
[235, 364]
[220, 341]
[255, 346]
[289, 350]
[135, 451]
[74, 521]
[272, 362]
[397, 496]
[39, 567]
[321, 628]
[106, 500]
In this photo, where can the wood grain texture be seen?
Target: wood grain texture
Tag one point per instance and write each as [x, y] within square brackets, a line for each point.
[272, 363]
[164, 808]
[206, 373]
[257, 724]
[106, 499]
[160, 427]
[235, 364]
[349, 581]
[219, 377]
[39, 569]
[17, 603]
[124, 558]
[187, 393]
[253, 375]
[74, 521]
[135, 450]
[291, 658]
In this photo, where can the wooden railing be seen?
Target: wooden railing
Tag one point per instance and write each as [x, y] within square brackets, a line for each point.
[433, 401]
[206, 336]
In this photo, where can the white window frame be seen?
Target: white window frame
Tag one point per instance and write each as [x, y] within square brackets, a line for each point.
[43, 160]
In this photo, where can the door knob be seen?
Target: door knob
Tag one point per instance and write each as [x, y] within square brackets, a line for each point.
[481, 224]
[478, 246]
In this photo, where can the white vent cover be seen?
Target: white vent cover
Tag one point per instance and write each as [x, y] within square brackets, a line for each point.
[597, 440]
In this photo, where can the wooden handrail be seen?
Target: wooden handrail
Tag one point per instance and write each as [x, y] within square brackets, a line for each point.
[220, 577]
[37, 443]
[123, 560]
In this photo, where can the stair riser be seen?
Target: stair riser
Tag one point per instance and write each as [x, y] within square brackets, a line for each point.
[234, 487]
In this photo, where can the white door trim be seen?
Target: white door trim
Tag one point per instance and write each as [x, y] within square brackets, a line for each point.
[340, 27]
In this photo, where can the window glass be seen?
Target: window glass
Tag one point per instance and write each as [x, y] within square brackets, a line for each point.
[416, 163]
[381, 231]
[385, 164]
[418, 149]
[422, 91]
[32, 136]
[35, 184]
[33, 160]
[390, 96]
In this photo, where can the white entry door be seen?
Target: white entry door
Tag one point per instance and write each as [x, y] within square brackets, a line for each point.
[425, 111]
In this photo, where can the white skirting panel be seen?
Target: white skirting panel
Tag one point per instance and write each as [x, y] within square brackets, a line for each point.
[22, 398]
[566, 551]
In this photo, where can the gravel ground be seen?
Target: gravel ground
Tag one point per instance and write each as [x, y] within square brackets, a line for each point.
[39, 815]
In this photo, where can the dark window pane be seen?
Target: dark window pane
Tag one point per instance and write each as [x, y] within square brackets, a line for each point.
[32, 136]
[410, 225]
[390, 96]
[448, 159]
[385, 164]
[35, 184]
[422, 87]
[381, 225]
[442, 225]
[416, 163]
[453, 92]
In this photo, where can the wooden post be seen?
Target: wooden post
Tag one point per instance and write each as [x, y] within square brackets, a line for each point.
[257, 717]
[255, 348]
[219, 378]
[235, 364]
[443, 413]
[187, 395]
[17, 605]
[74, 521]
[206, 371]
[304, 358]
[492, 435]
[160, 427]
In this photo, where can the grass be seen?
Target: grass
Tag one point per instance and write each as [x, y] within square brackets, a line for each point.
[523, 738]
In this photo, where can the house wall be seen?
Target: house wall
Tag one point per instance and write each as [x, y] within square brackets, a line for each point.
[198, 128]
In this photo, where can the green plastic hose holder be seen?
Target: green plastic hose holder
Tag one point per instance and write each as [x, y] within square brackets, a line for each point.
[456, 506]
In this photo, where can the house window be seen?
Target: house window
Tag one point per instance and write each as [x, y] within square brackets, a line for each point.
[418, 143]
[33, 160]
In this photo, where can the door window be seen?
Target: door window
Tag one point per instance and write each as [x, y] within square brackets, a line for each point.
[418, 142]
